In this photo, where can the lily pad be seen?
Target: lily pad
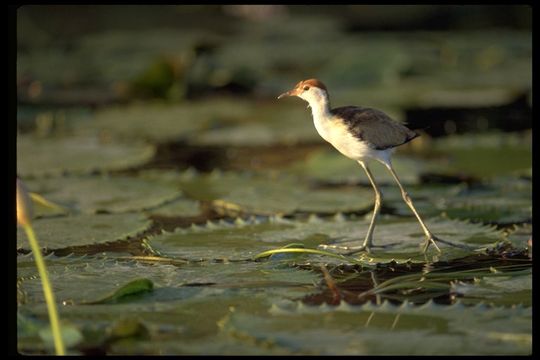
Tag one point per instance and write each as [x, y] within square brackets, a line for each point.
[132, 288]
[165, 122]
[79, 230]
[255, 194]
[265, 125]
[180, 207]
[420, 330]
[332, 167]
[80, 280]
[39, 332]
[97, 194]
[496, 290]
[174, 325]
[241, 240]
[78, 154]
[520, 236]
[472, 154]
[504, 200]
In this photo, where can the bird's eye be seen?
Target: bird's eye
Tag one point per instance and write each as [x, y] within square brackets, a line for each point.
[306, 88]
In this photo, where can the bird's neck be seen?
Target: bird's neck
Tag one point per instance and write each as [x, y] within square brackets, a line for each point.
[320, 107]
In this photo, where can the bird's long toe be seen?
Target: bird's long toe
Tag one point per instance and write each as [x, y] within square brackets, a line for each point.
[430, 240]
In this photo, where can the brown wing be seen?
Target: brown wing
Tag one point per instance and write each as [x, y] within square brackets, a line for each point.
[374, 127]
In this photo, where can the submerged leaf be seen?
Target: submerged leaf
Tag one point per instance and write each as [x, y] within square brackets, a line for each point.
[134, 287]
[70, 334]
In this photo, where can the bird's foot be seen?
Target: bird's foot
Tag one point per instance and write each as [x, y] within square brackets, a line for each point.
[432, 239]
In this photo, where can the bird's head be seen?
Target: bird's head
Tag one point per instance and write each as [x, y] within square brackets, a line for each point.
[311, 90]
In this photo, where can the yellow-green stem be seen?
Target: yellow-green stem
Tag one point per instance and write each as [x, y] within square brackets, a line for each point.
[47, 290]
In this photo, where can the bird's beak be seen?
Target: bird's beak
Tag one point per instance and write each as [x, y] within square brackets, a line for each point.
[292, 92]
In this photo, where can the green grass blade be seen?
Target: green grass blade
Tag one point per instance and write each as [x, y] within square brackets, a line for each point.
[47, 290]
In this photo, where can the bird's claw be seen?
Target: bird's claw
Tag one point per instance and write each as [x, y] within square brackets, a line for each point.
[430, 240]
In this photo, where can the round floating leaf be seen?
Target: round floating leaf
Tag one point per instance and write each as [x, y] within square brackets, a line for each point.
[80, 154]
[415, 330]
[473, 154]
[246, 239]
[265, 125]
[409, 236]
[279, 195]
[134, 287]
[500, 290]
[429, 199]
[503, 200]
[80, 280]
[180, 207]
[231, 241]
[70, 335]
[172, 317]
[332, 167]
[79, 230]
[103, 193]
[165, 122]
[520, 236]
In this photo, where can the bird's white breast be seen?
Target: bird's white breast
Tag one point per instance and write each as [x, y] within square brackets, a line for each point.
[336, 133]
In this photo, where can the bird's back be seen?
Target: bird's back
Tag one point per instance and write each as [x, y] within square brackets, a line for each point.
[373, 127]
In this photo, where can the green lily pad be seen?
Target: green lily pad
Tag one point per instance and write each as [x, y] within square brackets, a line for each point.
[428, 199]
[38, 331]
[79, 230]
[388, 329]
[78, 154]
[332, 167]
[96, 194]
[95, 57]
[134, 287]
[497, 290]
[180, 207]
[505, 200]
[520, 236]
[223, 240]
[501, 211]
[243, 239]
[267, 124]
[255, 194]
[165, 122]
[80, 280]
[473, 154]
[174, 325]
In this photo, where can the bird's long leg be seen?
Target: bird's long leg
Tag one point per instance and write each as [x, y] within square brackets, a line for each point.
[430, 237]
[368, 242]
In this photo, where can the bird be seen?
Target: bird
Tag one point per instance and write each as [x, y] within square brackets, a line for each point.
[361, 134]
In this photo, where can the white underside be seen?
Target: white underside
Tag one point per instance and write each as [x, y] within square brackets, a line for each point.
[337, 135]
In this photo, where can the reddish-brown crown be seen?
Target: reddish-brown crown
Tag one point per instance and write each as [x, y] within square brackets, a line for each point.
[311, 82]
